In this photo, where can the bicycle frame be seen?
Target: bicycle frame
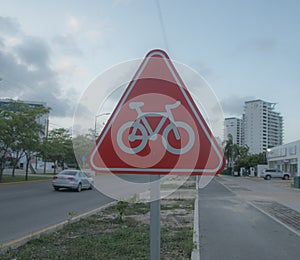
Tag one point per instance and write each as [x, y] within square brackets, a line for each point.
[142, 116]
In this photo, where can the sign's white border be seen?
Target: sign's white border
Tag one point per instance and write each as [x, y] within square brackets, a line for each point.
[158, 170]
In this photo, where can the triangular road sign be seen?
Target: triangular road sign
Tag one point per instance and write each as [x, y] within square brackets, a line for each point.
[156, 128]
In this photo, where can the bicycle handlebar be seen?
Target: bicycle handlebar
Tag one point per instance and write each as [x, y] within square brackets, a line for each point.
[135, 105]
[171, 106]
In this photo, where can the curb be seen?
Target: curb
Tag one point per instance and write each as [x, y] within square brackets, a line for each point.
[196, 237]
[196, 251]
[24, 239]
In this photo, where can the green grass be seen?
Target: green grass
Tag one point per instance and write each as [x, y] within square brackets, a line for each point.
[20, 178]
[104, 236]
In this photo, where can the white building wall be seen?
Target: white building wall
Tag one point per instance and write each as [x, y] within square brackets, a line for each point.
[285, 157]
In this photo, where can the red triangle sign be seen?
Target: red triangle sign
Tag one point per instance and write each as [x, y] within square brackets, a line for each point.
[156, 128]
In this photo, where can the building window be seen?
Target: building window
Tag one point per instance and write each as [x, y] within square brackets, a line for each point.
[293, 150]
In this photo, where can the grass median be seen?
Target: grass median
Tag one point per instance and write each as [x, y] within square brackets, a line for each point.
[118, 232]
[6, 178]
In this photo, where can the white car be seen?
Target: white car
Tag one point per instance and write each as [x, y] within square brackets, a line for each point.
[72, 179]
[268, 174]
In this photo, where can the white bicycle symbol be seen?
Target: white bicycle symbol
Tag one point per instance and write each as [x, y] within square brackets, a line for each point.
[141, 130]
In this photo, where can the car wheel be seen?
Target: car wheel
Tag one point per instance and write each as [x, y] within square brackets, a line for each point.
[91, 187]
[286, 177]
[56, 188]
[79, 188]
[268, 177]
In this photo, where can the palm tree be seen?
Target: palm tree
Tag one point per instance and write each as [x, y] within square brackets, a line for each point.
[244, 150]
[232, 151]
[228, 150]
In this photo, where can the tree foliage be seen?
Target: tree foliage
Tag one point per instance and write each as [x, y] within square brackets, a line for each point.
[58, 148]
[233, 152]
[82, 145]
[250, 160]
[238, 156]
[19, 131]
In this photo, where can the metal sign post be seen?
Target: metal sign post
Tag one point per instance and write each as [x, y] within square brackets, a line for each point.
[155, 217]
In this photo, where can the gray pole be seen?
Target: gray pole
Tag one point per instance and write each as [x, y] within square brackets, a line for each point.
[102, 114]
[155, 217]
[47, 132]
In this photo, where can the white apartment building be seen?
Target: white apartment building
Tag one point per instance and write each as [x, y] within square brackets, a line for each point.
[285, 157]
[263, 127]
[233, 127]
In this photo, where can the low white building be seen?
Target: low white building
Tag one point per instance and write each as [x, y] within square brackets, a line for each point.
[285, 157]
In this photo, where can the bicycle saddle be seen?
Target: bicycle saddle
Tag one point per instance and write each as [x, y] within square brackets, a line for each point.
[134, 105]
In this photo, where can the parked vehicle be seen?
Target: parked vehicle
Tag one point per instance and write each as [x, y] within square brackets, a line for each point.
[268, 174]
[72, 179]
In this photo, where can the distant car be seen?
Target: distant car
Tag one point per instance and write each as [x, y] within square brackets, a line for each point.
[268, 174]
[72, 179]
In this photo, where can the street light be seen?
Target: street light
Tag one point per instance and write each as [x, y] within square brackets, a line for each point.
[102, 114]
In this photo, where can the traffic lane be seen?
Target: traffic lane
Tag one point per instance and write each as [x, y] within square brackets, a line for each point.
[31, 207]
[232, 229]
[135, 178]
[122, 186]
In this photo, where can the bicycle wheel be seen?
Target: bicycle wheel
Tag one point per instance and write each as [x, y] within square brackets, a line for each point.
[142, 137]
[178, 125]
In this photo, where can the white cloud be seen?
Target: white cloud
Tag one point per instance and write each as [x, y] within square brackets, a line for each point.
[234, 105]
[121, 2]
[73, 23]
[26, 69]
[11, 42]
[67, 45]
[70, 67]
[94, 36]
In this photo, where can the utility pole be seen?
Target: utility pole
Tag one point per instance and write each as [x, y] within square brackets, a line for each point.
[95, 130]
[46, 138]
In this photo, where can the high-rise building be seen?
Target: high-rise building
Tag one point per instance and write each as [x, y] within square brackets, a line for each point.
[263, 127]
[233, 127]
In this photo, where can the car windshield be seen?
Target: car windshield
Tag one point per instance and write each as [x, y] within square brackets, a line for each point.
[72, 173]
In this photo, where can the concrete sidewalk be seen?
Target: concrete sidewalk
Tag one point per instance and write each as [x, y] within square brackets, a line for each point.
[258, 189]
[232, 228]
[275, 198]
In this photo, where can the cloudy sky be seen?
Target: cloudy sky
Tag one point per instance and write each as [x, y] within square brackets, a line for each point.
[51, 50]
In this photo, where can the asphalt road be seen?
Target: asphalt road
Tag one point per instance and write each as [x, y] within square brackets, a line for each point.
[230, 228]
[31, 207]
[26, 208]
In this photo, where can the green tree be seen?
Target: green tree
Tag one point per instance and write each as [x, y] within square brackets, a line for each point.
[83, 144]
[250, 160]
[18, 127]
[6, 139]
[229, 150]
[70, 158]
[58, 147]
[243, 150]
